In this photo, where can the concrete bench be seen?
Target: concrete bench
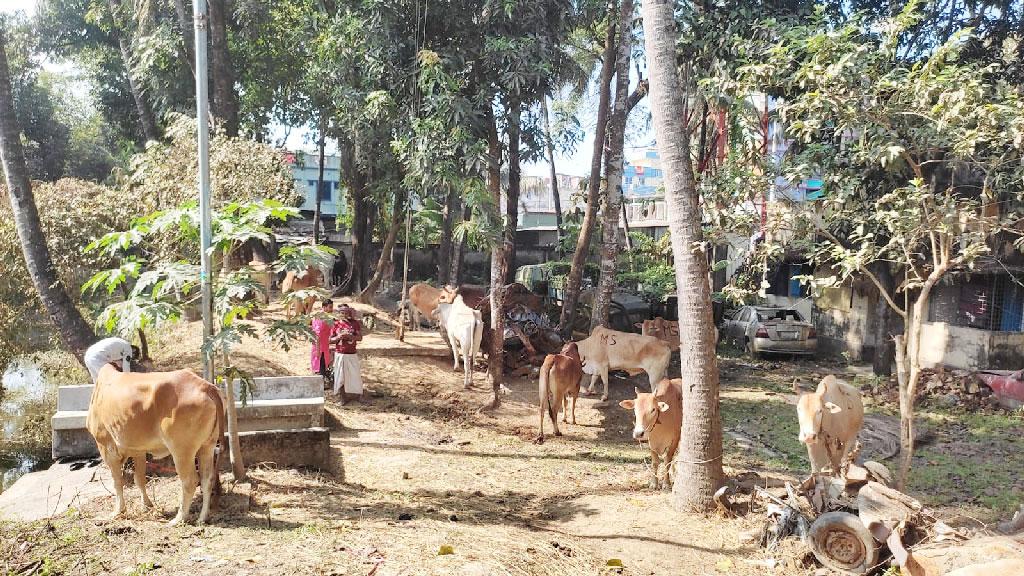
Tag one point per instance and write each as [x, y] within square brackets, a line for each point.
[275, 403]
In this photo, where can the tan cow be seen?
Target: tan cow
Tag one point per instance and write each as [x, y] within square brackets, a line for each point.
[830, 419]
[312, 278]
[1005, 567]
[158, 413]
[606, 349]
[657, 419]
[560, 377]
[423, 301]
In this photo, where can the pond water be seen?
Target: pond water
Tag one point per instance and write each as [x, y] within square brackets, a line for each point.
[26, 402]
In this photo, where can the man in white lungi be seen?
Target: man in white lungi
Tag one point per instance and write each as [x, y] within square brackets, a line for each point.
[347, 332]
[116, 351]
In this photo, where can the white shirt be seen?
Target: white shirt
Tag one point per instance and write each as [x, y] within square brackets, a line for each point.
[106, 351]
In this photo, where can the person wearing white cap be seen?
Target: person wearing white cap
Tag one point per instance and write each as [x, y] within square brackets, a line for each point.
[116, 351]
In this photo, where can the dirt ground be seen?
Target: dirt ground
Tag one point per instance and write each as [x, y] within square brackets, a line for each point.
[420, 468]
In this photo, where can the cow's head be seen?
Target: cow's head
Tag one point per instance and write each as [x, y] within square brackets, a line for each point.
[448, 294]
[810, 408]
[571, 350]
[647, 408]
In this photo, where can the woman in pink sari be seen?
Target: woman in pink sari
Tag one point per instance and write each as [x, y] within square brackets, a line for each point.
[322, 356]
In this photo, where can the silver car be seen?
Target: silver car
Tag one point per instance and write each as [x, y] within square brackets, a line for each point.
[761, 329]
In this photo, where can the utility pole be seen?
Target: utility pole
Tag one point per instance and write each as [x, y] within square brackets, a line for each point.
[199, 16]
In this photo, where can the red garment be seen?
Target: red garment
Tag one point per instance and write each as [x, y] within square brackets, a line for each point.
[351, 329]
[322, 346]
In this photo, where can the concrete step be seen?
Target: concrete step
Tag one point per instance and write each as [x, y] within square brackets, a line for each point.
[264, 388]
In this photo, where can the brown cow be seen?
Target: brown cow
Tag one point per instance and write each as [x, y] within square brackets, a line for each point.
[158, 413]
[606, 349]
[312, 277]
[830, 419]
[657, 418]
[423, 300]
[665, 330]
[560, 377]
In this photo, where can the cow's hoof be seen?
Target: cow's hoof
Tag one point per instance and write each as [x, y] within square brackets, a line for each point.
[177, 520]
[539, 439]
[558, 432]
[604, 398]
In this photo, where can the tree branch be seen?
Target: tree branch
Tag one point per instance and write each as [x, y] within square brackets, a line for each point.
[874, 279]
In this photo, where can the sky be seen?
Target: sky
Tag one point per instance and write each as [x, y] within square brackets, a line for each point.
[576, 162]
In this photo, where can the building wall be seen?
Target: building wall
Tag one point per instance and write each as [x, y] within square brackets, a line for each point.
[966, 348]
[305, 169]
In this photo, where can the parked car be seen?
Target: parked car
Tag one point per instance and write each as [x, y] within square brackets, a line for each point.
[761, 329]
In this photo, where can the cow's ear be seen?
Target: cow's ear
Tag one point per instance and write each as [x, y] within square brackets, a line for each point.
[663, 406]
[627, 404]
[832, 408]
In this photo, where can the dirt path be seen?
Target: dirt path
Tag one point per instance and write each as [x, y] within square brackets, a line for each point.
[421, 468]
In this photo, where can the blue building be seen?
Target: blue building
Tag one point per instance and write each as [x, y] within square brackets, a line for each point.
[305, 168]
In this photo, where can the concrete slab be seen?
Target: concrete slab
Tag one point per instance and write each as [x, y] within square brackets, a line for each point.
[51, 492]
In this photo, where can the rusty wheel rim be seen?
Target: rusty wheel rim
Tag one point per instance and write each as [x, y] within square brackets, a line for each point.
[843, 546]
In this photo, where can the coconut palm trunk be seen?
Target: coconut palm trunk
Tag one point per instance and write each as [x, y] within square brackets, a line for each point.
[699, 460]
[554, 173]
[75, 332]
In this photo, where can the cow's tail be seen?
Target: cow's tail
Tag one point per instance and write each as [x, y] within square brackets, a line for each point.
[545, 393]
[221, 444]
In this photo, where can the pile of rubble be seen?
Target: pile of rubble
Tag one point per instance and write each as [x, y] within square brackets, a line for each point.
[948, 388]
[856, 523]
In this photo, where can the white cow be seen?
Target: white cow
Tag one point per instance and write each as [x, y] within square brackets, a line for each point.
[465, 328]
[830, 419]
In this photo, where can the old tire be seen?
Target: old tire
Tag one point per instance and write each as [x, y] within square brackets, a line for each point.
[840, 541]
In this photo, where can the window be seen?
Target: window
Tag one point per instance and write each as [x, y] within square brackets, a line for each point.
[784, 280]
[766, 315]
[987, 302]
[327, 192]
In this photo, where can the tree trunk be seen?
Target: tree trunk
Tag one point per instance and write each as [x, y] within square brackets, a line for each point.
[444, 259]
[574, 282]
[512, 197]
[384, 262]
[235, 445]
[611, 205]
[884, 355]
[357, 190]
[459, 250]
[321, 145]
[187, 36]
[908, 392]
[150, 130]
[225, 105]
[554, 175]
[699, 463]
[74, 331]
[499, 265]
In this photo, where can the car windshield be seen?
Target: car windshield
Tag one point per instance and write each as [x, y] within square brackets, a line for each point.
[769, 315]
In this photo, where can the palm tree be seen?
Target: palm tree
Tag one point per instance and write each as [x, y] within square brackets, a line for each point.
[699, 463]
[74, 330]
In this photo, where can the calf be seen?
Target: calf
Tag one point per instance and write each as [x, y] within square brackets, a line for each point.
[159, 413]
[560, 377]
[607, 349]
[311, 277]
[464, 327]
[658, 418]
[830, 419]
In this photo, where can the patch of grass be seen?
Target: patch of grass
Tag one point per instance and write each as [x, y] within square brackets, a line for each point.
[940, 478]
[770, 423]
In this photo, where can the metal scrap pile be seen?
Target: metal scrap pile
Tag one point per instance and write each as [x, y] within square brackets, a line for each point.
[858, 524]
[529, 333]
